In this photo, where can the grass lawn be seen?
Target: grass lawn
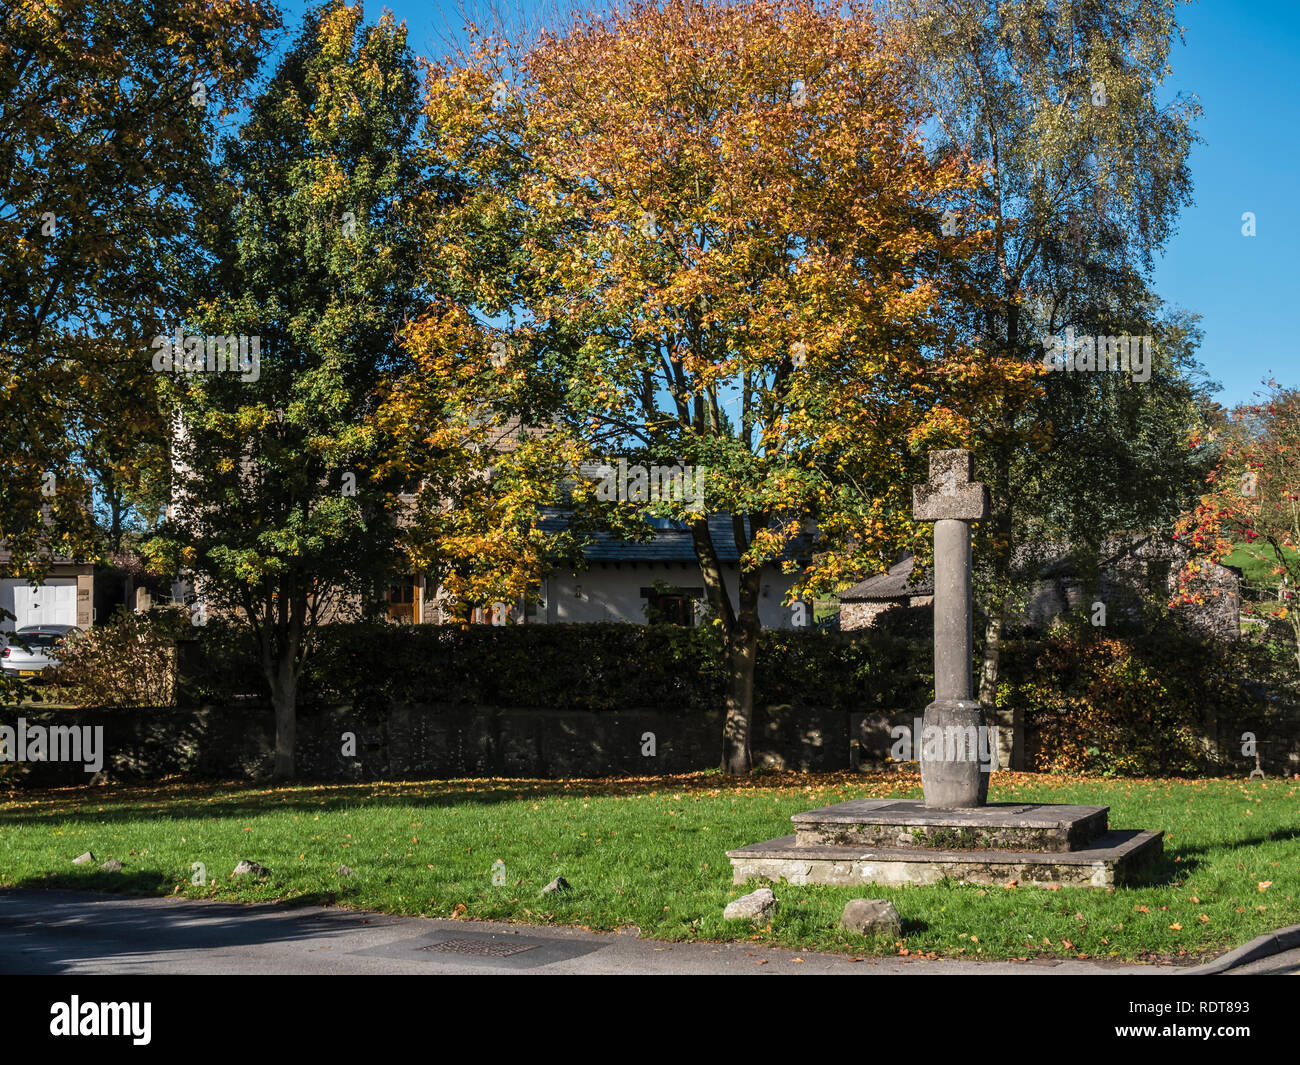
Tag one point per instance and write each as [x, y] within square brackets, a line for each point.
[650, 852]
[1257, 562]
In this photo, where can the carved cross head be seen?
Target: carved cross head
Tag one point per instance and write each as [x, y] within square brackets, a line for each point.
[950, 492]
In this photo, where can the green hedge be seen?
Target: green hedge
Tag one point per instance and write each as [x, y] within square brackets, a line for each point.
[605, 666]
[1126, 702]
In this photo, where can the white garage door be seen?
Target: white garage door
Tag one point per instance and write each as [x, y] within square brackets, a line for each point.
[54, 603]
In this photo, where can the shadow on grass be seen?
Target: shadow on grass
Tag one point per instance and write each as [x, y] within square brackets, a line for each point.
[1183, 861]
[1278, 835]
[185, 799]
[151, 884]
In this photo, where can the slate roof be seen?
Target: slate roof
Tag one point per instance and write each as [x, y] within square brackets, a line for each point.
[59, 560]
[892, 584]
[669, 544]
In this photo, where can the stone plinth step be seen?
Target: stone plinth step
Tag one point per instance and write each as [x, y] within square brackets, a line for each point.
[1116, 858]
[908, 823]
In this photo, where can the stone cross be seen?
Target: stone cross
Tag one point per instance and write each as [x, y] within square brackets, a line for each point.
[955, 779]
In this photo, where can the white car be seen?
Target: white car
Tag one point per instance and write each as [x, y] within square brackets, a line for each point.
[30, 650]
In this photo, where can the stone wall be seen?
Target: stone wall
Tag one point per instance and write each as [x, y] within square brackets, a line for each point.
[866, 613]
[428, 742]
[871, 742]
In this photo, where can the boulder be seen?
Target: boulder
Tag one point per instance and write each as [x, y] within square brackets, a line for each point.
[755, 906]
[872, 917]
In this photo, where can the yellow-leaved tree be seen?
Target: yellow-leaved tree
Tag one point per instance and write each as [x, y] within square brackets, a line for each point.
[704, 236]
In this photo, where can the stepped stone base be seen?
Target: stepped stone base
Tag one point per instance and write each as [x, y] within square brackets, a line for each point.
[898, 823]
[896, 842]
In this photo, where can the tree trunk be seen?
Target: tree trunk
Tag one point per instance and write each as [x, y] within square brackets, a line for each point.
[284, 697]
[115, 523]
[737, 759]
[1011, 740]
[280, 663]
[742, 657]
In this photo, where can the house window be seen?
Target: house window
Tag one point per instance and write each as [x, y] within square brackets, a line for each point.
[671, 606]
[400, 600]
[1158, 577]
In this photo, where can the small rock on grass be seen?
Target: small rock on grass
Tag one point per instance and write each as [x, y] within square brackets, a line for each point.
[755, 906]
[245, 867]
[83, 859]
[559, 884]
[112, 866]
[345, 871]
[872, 917]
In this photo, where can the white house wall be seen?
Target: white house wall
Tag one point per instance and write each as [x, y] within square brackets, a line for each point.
[614, 594]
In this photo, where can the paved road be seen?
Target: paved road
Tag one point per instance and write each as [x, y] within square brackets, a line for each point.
[86, 933]
[1284, 964]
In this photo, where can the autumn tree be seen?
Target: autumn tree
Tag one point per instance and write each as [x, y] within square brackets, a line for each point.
[704, 235]
[109, 110]
[1087, 171]
[282, 511]
[1251, 499]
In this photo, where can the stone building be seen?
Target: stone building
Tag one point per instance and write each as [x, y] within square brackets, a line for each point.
[1129, 569]
[862, 604]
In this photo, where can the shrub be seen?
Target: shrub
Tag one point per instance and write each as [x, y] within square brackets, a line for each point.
[1167, 701]
[129, 661]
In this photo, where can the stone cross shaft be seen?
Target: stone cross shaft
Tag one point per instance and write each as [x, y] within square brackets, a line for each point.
[952, 501]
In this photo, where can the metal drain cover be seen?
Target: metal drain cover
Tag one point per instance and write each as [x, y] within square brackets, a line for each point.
[484, 948]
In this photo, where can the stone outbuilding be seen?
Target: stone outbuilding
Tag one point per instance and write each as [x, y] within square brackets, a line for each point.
[1129, 569]
[862, 604]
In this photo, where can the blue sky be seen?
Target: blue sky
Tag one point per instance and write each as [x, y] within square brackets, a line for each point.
[1241, 60]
